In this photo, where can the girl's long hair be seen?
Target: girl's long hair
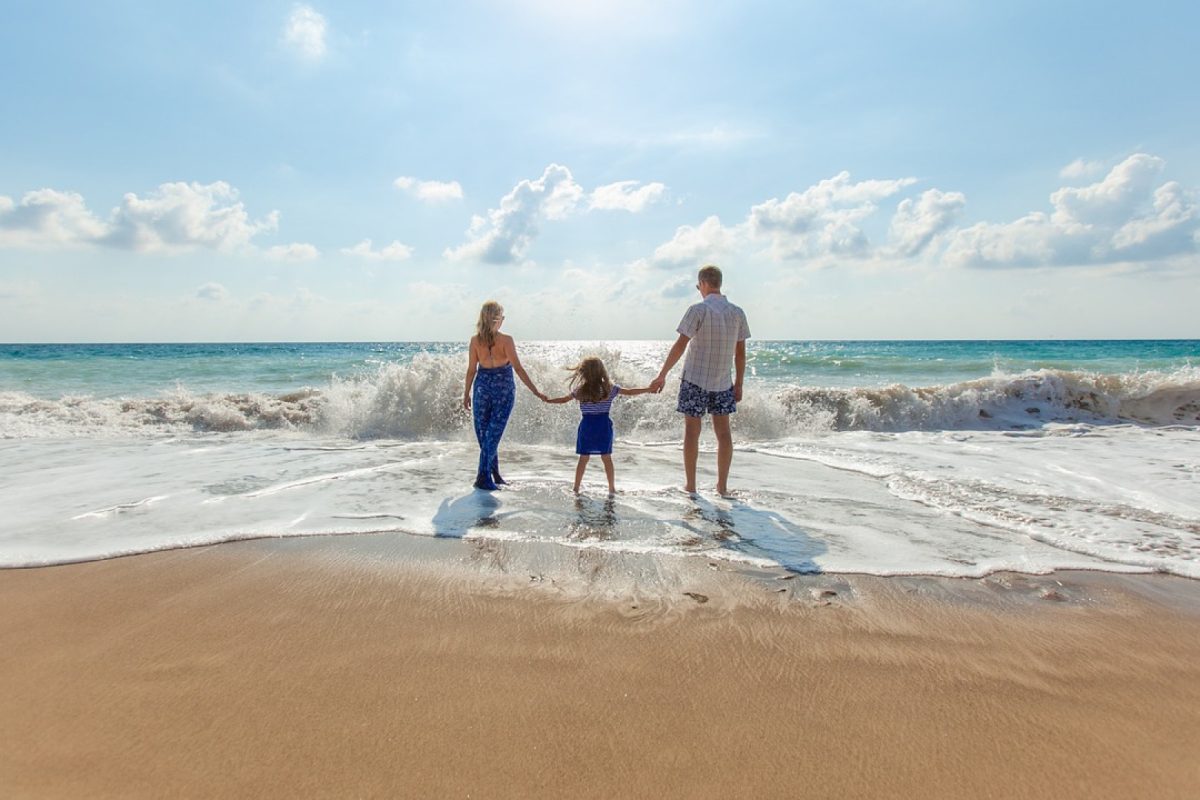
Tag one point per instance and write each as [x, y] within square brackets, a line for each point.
[484, 327]
[589, 380]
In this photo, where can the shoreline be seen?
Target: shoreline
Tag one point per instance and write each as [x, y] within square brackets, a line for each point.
[437, 553]
[357, 666]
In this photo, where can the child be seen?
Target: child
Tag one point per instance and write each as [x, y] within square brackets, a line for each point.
[595, 392]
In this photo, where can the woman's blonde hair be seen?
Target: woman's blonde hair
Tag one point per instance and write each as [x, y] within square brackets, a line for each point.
[589, 380]
[485, 327]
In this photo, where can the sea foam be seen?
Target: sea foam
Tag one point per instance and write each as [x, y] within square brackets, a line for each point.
[421, 400]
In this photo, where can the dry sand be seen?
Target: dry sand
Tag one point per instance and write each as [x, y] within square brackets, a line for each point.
[264, 670]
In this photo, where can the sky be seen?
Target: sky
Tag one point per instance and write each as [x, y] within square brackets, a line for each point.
[912, 169]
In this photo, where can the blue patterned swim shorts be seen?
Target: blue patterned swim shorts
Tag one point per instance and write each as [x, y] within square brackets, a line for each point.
[696, 402]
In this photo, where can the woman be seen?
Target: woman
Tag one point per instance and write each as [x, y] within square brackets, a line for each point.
[492, 361]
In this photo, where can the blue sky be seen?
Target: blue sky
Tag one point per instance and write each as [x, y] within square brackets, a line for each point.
[283, 171]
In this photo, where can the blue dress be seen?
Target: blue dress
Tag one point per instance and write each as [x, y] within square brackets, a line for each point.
[595, 435]
[491, 403]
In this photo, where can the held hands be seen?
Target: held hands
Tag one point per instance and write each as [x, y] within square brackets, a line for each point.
[655, 387]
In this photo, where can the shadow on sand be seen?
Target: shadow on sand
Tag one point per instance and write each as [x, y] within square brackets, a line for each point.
[755, 532]
[732, 525]
[455, 517]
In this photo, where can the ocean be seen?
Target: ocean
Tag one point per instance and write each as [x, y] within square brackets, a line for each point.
[956, 458]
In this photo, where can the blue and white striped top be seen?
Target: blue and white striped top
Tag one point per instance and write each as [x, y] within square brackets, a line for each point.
[600, 407]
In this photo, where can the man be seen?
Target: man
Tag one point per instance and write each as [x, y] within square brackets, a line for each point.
[714, 333]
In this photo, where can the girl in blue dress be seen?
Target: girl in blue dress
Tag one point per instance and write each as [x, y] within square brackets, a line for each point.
[591, 386]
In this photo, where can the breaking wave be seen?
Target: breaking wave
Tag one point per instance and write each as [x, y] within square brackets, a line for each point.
[422, 400]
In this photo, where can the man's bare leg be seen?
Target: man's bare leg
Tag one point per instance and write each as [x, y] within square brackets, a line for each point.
[691, 451]
[724, 451]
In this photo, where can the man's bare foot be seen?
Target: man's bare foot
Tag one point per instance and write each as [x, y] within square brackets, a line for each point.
[690, 491]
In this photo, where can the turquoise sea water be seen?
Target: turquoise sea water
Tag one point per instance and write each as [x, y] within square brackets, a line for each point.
[111, 370]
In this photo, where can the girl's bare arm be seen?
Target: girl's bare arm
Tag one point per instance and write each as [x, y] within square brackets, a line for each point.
[564, 399]
[643, 390]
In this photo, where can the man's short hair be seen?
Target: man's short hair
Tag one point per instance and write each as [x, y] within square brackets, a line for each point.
[711, 275]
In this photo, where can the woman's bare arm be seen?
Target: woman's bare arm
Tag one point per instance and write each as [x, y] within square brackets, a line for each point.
[472, 364]
[511, 344]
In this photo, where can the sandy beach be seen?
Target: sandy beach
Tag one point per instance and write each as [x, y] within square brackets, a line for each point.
[321, 667]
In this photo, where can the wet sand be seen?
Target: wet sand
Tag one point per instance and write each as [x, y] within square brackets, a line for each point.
[272, 669]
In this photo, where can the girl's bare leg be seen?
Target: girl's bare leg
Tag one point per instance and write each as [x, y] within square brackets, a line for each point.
[608, 473]
[579, 469]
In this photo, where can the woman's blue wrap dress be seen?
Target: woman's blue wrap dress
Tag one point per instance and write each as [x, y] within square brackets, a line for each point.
[491, 403]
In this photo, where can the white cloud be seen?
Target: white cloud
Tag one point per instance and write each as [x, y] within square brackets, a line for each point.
[1129, 216]
[679, 287]
[694, 246]
[184, 215]
[1080, 168]
[917, 222]
[430, 191]
[1111, 200]
[304, 32]
[212, 292]
[1121, 218]
[175, 217]
[824, 219]
[1170, 228]
[504, 235]
[624, 197]
[296, 251]
[46, 218]
[392, 252]
[1026, 242]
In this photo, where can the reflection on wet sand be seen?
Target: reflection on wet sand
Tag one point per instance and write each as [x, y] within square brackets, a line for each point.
[594, 519]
